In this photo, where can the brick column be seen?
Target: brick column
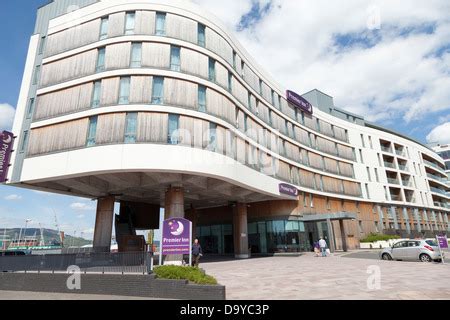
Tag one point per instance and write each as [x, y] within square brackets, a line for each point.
[104, 222]
[191, 214]
[240, 231]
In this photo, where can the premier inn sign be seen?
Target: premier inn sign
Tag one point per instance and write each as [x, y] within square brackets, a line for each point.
[287, 189]
[299, 101]
[6, 145]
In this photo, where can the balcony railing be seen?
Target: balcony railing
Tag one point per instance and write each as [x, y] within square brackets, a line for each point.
[442, 204]
[437, 190]
[400, 153]
[432, 164]
[389, 164]
[435, 177]
[396, 197]
[403, 167]
[407, 183]
[393, 181]
[386, 149]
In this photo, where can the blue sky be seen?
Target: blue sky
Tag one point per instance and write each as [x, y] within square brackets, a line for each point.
[395, 73]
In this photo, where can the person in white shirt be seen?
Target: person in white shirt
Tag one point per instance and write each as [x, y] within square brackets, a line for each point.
[323, 246]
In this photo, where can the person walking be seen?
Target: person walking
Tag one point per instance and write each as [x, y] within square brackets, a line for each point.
[196, 253]
[323, 246]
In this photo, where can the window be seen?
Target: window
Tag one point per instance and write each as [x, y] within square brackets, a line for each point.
[175, 64]
[160, 24]
[30, 108]
[376, 175]
[212, 143]
[100, 60]
[245, 122]
[136, 55]
[249, 102]
[201, 35]
[130, 22]
[311, 200]
[367, 191]
[37, 73]
[368, 174]
[304, 200]
[234, 60]
[158, 90]
[242, 68]
[104, 29]
[24, 141]
[42, 45]
[230, 81]
[95, 103]
[124, 91]
[370, 142]
[361, 156]
[174, 121]
[92, 131]
[212, 69]
[362, 141]
[130, 127]
[270, 118]
[328, 204]
[260, 87]
[201, 98]
[377, 229]
[379, 160]
[360, 226]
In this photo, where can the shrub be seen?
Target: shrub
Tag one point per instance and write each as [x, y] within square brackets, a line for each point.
[184, 273]
[379, 237]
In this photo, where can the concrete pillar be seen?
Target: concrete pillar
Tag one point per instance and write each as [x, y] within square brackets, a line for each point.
[331, 235]
[380, 217]
[174, 208]
[394, 216]
[104, 222]
[174, 203]
[417, 217]
[343, 235]
[406, 219]
[240, 232]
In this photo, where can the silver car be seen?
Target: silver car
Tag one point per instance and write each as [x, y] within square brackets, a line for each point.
[424, 250]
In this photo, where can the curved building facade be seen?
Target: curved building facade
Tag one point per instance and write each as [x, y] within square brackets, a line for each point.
[154, 104]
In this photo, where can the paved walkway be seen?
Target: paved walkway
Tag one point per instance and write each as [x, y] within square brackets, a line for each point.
[335, 277]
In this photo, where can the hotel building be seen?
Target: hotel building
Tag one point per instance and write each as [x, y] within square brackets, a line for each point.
[155, 104]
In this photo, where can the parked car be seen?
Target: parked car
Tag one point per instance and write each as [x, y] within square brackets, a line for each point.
[425, 250]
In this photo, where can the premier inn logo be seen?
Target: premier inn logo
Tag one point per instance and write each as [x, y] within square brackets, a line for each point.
[299, 101]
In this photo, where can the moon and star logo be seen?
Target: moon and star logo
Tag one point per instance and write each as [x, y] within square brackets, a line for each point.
[176, 227]
[7, 138]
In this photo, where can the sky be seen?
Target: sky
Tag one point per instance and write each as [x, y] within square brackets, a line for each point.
[388, 60]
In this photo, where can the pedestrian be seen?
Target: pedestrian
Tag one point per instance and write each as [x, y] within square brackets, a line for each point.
[316, 248]
[323, 246]
[196, 253]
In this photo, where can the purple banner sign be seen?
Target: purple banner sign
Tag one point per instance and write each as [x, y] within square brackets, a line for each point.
[288, 189]
[176, 236]
[6, 145]
[299, 101]
[443, 243]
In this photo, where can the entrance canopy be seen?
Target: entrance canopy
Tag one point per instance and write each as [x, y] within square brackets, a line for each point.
[329, 216]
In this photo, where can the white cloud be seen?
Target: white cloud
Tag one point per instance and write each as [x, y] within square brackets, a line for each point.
[79, 206]
[6, 116]
[440, 134]
[399, 75]
[13, 197]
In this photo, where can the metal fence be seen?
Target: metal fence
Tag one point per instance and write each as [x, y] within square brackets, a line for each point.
[91, 262]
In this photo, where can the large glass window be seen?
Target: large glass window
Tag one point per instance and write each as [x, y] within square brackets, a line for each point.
[230, 81]
[158, 90]
[201, 35]
[42, 45]
[175, 63]
[174, 121]
[100, 60]
[212, 143]
[124, 92]
[212, 69]
[37, 75]
[136, 55]
[130, 22]
[201, 98]
[104, 28]
[131, 127]
[160, 24]
[92, 131]
[95, 103]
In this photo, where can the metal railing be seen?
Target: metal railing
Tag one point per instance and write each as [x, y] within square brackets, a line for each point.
[437, 190]
[386, 149]
[393, 181]
[94, 262]
[389, 164]
[435, 177]
[434, 165]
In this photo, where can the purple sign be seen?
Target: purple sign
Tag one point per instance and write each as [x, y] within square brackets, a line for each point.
[443, 243]
[6, 145]
[299, 101]
[288, 189]
[176, 236]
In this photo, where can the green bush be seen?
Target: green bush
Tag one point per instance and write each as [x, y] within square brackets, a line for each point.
[185, 273]
[379, 237]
